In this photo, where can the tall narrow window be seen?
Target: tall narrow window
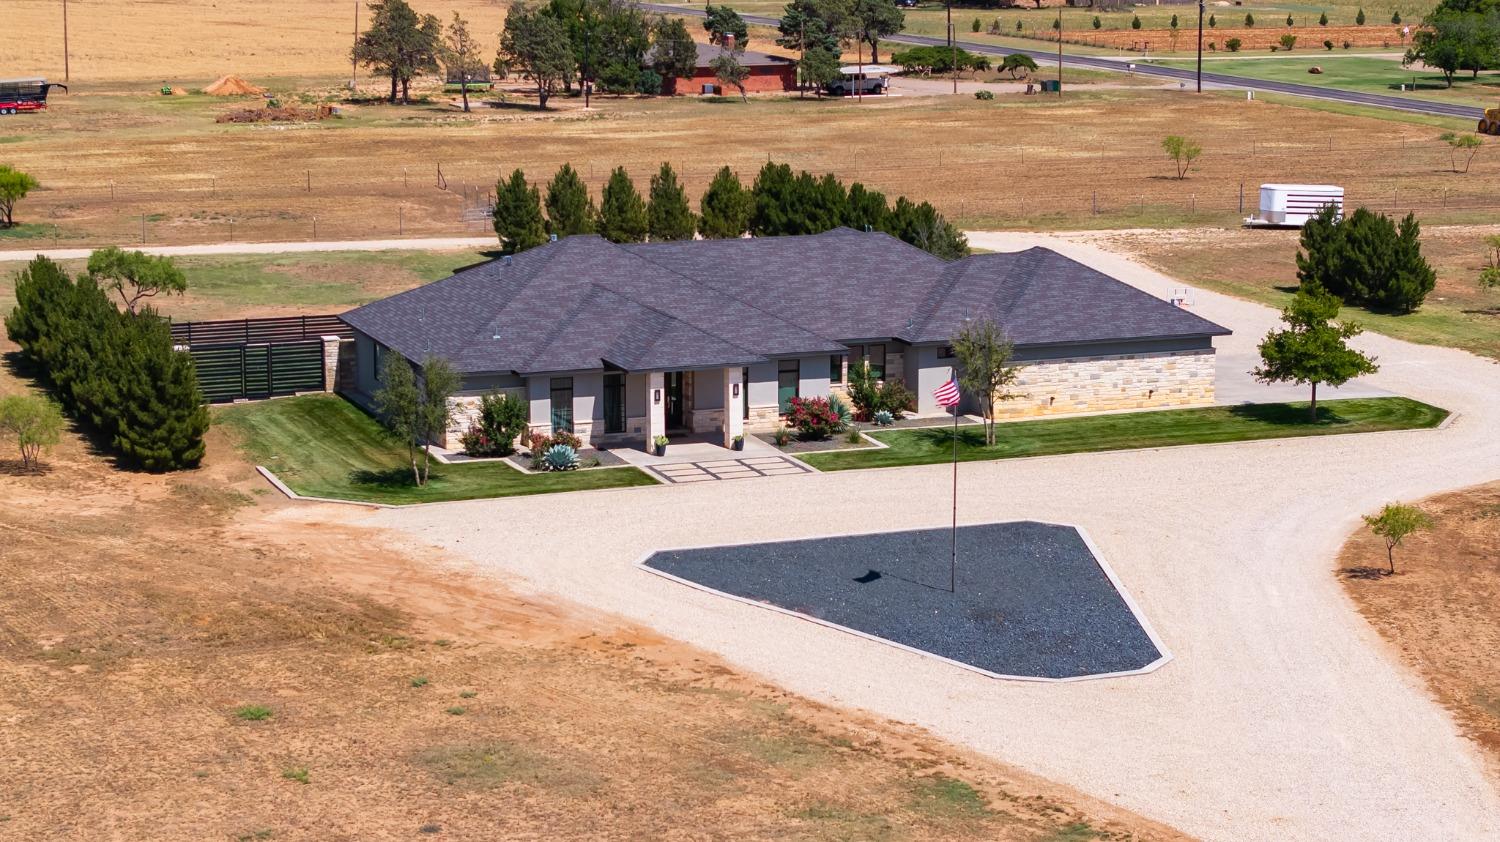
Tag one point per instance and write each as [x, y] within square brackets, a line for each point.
[788, 373]
[876, 355]
[614, 402]
[745, 391]
[835, 369]
[562, 404]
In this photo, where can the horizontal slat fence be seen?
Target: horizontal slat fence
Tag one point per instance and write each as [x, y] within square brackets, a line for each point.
[235, 371]
[259, 331]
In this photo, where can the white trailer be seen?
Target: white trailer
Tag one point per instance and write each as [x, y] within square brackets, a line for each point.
[868, 79]
[1292, 205]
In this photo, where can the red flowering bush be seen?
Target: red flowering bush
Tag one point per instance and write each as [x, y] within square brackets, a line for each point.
[813, 418]
[476, 442]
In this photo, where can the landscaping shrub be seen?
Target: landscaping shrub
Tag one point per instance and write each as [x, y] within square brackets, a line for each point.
[501, 423]
[1249, 20]
[1098, 23]
[1135, 22]
[560, 457]
[1288, 42]
[1327, 45]
[841, 409]
[883, 418]
[782, 436]
[986, 95]
[1232, 45]
[813, 418]
[117, 372]
[976, 26]
[870, 396]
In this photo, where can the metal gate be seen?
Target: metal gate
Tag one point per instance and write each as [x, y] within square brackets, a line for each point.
[235, 371]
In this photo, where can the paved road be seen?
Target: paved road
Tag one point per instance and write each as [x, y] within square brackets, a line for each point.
[1221, 80]
[414, 244]
[1284, 716]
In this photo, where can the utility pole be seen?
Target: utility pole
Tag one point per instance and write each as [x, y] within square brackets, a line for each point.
[1200, 46]
[859, 78]
[952, 48]
[354, 62]
[1059, 51]
[66, 73]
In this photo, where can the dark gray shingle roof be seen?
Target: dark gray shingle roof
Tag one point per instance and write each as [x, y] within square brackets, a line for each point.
[584, 303]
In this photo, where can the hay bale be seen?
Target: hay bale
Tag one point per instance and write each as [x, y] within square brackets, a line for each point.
[1315, 70]
[232, 85]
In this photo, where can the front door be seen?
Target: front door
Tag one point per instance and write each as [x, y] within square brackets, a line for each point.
[674, 400]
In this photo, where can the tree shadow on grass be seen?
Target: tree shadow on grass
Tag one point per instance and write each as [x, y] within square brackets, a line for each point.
[1286, 415]
[387, 480]
[15, 468]
[935, 437]
[1483, 311]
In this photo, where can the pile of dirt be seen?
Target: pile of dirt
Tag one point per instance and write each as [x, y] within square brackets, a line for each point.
[276, 114]
[232, 85]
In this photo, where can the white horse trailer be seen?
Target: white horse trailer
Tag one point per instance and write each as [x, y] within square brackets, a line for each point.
[1292, 205]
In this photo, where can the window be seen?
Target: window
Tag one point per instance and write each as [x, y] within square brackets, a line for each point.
[614, 403]
[562, 404]
[745, 391]
[946, 353]
[835, 369]
[788, 374]
[875, 356]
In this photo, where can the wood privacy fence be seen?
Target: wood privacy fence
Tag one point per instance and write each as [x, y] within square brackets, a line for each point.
[260, 358]
[260, 331]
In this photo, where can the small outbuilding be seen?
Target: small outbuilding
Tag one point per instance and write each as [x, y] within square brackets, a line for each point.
[767, 73]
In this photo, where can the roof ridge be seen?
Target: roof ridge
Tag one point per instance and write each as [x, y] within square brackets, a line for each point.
[543, 256]
[947, 281]
[1006, 296]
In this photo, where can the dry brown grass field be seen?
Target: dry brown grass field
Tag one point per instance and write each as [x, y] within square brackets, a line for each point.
[143, 616]
[1441, 611]
[109, 162]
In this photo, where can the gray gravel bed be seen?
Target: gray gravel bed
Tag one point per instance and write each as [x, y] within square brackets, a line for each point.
[1031, 599]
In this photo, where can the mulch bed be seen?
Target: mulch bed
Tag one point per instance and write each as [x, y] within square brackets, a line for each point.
[812, 445]
[1030, 598]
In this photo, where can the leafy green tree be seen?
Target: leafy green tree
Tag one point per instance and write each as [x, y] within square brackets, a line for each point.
[622, 212]
[867, 208]
[439, 382]
[518, 215]
[667, 213]
[1489, 276]
[1394, 523]
[726, 207]
[569, 209]
[1466, 144]
[161, 416]
[809, 24]
[400, 44]
[941, 60]
[14, 185]
[536, 44]
[1183, 152]
[822, 204]
[1312, 349]
[872, 20]
[730, 72]
[1365, 259]
[922, 226]
[777, 211]
[984, 355]
[135, 275]
[460, 55]
[1017, 64]
[1455, 40]
[673, 54]
[819, 66]
[398, 404]
[34, 422]
[722, 23]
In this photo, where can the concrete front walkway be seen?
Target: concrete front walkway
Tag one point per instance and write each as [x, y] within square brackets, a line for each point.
[1283, 715]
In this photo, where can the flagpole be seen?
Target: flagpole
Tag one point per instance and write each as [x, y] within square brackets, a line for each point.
[953, 558]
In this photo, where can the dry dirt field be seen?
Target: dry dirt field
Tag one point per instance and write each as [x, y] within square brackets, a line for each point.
[112, 165]
[1441, 611]
[141, 613]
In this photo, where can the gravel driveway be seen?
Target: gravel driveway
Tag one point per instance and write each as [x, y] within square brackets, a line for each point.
[1281, 717]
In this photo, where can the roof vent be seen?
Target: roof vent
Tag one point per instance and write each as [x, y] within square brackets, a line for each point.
[505, 260]
[552, 238]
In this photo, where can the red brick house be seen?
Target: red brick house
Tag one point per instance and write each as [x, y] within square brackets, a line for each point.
[767, 73]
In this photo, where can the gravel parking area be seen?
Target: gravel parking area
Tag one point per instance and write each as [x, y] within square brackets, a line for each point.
[1029, 600]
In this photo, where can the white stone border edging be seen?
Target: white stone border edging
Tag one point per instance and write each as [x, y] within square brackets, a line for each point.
[1165, 654]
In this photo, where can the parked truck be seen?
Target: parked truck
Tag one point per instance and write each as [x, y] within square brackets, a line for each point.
[17, 95]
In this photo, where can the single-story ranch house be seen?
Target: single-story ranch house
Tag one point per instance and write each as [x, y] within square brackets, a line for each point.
[766, 73]
[621, 343]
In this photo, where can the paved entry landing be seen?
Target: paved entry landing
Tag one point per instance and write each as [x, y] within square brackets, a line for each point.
[739, 468]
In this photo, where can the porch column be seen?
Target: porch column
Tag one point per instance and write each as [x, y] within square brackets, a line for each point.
[734, 405]
[656, 407]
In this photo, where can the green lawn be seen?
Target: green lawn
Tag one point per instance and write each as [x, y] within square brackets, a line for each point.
[324, 446]
[1352, 73]
[1126, 431]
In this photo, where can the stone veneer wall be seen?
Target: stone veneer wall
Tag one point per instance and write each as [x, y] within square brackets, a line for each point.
[763, 419]
[1126, 381]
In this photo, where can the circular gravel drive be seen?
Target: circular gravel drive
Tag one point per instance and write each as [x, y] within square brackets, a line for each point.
[1281, 716]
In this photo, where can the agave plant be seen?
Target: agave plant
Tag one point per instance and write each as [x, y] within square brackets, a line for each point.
[842, 410]
[560, 457]
[883, 418]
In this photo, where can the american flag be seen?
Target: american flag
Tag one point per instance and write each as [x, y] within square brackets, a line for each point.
[947, 395]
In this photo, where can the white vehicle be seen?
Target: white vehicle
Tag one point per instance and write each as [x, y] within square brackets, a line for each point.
[1292, 205]
[869, 79]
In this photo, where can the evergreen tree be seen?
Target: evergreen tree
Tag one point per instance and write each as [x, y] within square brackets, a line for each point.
[667, 213]
[867, 209]
[1213, 21]
[1249, 20]
[673, 54]
[776, 207]
[1396, 18]
[161, 415]
[518, 215]
[622, 213]
[1359, 19]
[871, 20]
[922, 226]
[726, 207]
[569, 209]
[536, 43]
[817, 68]
[811, 24]
[1323, 19]
[1365, 259]
[823, 203]
[721, 23]
[400, 44]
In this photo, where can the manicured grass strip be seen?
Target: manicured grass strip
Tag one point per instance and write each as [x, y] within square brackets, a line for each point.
[324, 446]
[1163, 428]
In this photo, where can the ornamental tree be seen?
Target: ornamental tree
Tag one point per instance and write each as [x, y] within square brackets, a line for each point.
[1395, 522]
[34, 422]
[14, 185]
[1312, 349]
[984, 357]
[135, 275]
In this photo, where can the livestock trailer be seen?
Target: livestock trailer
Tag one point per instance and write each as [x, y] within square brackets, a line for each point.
[25, 94]
[1292, 205]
